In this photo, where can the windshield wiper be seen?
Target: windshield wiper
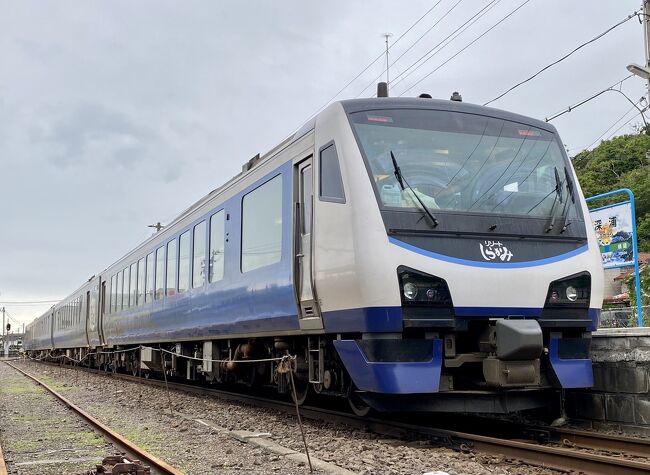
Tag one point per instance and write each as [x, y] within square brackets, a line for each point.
[401, 180]
[558, 194]
[569, 185]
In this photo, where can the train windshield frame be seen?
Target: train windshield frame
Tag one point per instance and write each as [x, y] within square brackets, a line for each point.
[465, 163]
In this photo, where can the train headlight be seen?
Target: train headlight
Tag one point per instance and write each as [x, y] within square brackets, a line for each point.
[424, 290]
[571, 293]
[410, 290]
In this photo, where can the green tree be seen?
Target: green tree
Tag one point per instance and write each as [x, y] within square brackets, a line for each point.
[620, 163]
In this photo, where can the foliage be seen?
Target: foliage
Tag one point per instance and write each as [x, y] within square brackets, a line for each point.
[620, 163]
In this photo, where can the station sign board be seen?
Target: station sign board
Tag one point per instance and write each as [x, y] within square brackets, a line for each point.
[615, 233]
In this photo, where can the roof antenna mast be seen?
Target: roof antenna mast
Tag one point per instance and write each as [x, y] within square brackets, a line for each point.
[386, 36]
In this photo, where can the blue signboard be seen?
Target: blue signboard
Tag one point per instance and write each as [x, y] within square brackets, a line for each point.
[615, 232]
[610, 246]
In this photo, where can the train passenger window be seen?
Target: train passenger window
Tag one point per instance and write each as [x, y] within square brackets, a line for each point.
[127, 285]
[160, 272]
[261, 240]
[331, 184]
[141, 276]
[198, 256]
[148, 296]
[217, 232]
[118, 303]
[184, 262]
[133, 290]
[171, 268]
[113, 292]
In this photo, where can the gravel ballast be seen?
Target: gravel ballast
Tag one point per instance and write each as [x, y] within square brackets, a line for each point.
[39, 435]
[141, 413]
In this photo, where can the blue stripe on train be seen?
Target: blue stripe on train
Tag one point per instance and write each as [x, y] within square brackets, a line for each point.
[491, 265]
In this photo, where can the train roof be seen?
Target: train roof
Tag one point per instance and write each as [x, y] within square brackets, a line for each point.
[358, 105]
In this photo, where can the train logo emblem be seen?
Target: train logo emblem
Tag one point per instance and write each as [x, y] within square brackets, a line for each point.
[493, 250]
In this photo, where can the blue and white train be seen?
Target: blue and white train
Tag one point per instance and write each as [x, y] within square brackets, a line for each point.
[415, 254]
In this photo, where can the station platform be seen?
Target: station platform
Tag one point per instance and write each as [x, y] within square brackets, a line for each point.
[620, 397]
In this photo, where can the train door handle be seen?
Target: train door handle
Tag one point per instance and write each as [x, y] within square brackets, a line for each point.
[300, 255]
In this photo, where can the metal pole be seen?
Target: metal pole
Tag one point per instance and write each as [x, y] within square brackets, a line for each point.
[388, 35]
[637, 276]
[646, 38]
[4, 343]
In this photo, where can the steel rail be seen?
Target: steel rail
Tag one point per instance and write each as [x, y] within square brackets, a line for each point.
[159, 465]
[558, 458]
[597, 441]
[3, 467]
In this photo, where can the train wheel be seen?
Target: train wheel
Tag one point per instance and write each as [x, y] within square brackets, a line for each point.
[358, 406]
[302, 390]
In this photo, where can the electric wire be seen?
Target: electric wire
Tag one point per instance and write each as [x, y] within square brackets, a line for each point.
[597, 37]
[426, 57]
[444, 15]
[468, 45]
[584, 101]
[623, 125]
[616, 122]
[381, 55]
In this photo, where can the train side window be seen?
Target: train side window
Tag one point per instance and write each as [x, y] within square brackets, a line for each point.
[148, 295]
[171, 267]
[331, 184]
[127, 284]
[141, 277]
[113, 292]
[118, 304]
[133, 290]
[198, 258]
[184, 262]
[160, 272]
[261, 239]
[217, 247]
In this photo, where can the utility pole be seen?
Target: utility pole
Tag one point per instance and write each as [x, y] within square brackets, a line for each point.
[646, 43]
[4, 339]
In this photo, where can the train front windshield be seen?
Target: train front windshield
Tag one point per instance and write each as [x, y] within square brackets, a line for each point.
[464, 163]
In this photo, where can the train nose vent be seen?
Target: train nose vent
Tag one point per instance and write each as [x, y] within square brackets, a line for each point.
[514, 348]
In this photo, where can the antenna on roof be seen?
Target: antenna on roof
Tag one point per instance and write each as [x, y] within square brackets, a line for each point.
[157, 226]
[386, 36]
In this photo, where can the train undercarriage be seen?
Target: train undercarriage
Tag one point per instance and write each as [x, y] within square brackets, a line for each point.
[474, 375]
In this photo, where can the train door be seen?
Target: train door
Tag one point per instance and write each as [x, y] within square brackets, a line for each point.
[88, 315]
[304, 280]
[101, 311]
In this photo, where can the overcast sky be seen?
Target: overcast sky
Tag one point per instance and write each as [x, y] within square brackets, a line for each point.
[115, 115]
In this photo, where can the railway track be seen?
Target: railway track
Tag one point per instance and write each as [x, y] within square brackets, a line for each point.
[561, 449]
[132, 451]
[3, 467]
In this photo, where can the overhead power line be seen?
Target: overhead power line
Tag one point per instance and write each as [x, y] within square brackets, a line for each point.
[442, 17]
[426, 57]
[29, 302]
[614, 124]
[584, 101]
[468, 45]
[381, 55]
[597, 37]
